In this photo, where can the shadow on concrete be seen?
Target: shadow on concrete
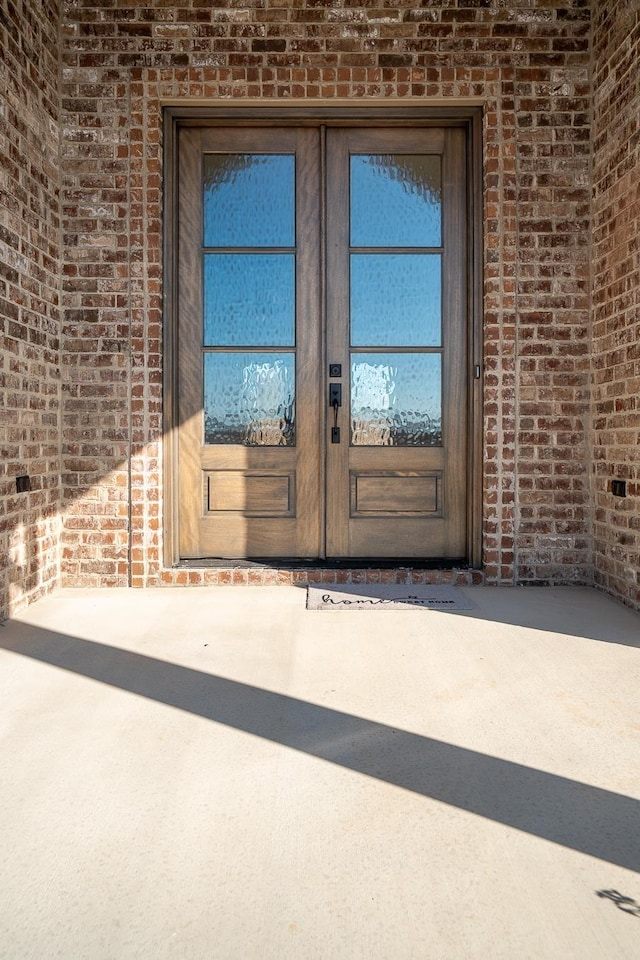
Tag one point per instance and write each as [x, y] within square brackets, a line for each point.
[574, 611]
[627, 904]
[584, 818]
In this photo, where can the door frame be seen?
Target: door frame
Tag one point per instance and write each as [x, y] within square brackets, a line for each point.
[263, 113]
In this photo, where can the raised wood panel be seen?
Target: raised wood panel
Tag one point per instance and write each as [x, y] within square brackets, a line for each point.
[394, 493]
[255, 495]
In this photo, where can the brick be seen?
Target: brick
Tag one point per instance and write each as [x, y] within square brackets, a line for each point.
[81, 325]
[29, 302]
[616, 221]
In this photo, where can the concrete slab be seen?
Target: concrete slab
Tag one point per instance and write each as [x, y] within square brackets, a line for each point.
[221, 773]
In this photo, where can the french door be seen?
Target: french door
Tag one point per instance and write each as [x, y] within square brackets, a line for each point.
[322, 342]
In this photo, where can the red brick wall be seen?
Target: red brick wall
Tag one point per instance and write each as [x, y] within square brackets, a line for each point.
[29, 299]
[98, 210]
[616, 296]
[528, 61]
[553, 301]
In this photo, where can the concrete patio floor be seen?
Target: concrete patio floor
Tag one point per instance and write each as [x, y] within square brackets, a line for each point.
[218, 773]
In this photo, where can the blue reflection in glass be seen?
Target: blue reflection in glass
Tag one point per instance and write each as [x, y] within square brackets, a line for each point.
[396, 300]
[396, 200]
[249, 399]
[249, 299]
[249, 200]
[396, 400]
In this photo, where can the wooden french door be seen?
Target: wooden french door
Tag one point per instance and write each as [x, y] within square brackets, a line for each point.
[322, 340]
[249, 456]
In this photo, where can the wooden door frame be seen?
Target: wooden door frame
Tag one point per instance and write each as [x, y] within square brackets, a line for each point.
[264, 113]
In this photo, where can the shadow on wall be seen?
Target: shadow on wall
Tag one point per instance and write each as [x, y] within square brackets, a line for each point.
[29, 567]
[33, 552]
[575, 815]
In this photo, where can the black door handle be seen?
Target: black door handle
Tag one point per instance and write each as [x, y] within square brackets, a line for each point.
[335, 394]
[335, 401]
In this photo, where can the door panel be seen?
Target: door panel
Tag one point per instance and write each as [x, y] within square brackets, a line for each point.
[299, 273]
[249, 396]
[396, 483]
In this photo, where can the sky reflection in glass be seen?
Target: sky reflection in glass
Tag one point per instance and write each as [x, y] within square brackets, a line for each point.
[249, 299]
[249, 200]
[396, 399]
[396, 300]
[396, 200]
[249, 399]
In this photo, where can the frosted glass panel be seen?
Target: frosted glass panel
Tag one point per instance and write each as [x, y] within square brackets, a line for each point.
[249, 399]
[396, 399]
[249, 200]
[396, 200]
[249, 299]
[395, 300]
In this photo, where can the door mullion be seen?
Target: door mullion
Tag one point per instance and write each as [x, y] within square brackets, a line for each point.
[308, 345]
[337, 334]
[323, 355]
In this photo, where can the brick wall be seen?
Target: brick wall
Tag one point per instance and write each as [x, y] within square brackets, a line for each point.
[529, 61]
[99, 206]
[616, 296]
[29, 299]
[553, 300]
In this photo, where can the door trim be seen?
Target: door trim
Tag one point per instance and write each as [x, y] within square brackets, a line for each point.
[371, 112]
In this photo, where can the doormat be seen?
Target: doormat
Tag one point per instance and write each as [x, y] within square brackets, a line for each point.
[385, 596]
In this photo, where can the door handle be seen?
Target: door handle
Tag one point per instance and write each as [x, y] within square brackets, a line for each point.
[335, 401]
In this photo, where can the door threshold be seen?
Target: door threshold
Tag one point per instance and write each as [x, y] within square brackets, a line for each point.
[290, 563]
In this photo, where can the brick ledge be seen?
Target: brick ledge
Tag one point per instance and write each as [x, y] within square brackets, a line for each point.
[301, 576]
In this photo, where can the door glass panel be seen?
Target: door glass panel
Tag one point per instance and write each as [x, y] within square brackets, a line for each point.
[249, 200]
[249, 299]
[396, 399]
[249, 398]
[396, 200]
[396, 300]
